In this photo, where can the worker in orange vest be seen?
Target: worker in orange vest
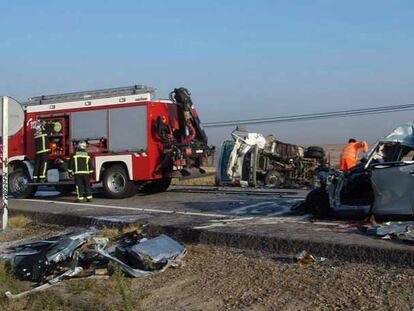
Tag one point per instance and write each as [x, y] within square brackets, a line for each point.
[349, 155]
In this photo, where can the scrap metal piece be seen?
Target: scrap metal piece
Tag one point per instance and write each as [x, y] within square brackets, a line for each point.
[158, 251]
[69, 273]
[34, 261]
[391, 228]
[403, 231]
[164, 250]
[305, 258]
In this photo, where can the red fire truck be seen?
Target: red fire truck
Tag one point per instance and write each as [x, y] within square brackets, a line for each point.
[135, 142]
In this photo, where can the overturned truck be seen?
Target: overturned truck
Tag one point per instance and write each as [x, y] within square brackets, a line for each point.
[381, 184]
[251, 159]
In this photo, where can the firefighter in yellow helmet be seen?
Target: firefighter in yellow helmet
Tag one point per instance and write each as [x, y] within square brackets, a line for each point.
[41, 139]
[81, 167]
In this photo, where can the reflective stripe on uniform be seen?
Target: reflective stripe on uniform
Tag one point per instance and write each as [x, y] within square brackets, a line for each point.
[44, 170]
[78, 194]
[44, 148]
[86, 157]
[41, 135]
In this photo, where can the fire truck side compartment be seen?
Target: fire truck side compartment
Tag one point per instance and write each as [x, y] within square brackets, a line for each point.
[131, 121]
[89, 124]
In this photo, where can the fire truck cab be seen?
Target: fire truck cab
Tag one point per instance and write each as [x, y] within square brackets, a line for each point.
[135, 142]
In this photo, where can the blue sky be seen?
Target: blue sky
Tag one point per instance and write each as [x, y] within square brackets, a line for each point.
[240, 59]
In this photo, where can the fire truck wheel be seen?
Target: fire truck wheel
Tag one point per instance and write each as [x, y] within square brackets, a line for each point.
[274, 179]
[157, 186]
[18, 185]
[117, 184]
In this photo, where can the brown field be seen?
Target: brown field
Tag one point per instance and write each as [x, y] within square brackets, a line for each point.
[333, 152]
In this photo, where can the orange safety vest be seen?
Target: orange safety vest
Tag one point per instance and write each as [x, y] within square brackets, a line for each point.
[349, 156]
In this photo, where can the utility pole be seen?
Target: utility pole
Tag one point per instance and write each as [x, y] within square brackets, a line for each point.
[5, 161]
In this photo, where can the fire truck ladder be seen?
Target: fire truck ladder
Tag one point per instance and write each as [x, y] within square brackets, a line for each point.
[88, 95]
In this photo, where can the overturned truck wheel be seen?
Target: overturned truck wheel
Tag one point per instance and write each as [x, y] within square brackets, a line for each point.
[18, 184]
[157, 186]
[116, 183]
[314, 152]
[274, 179]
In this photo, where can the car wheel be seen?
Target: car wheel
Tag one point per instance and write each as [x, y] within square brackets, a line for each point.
[317, 203]
[18, 185]
[116, 183]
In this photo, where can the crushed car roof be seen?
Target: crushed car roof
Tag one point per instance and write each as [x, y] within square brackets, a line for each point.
[403, 134]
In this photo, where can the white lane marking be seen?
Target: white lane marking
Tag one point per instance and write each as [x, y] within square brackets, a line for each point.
[222, 222]
[257, 220]
[147, 210]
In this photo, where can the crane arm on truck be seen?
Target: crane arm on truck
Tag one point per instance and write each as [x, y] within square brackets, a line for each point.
[188, 117]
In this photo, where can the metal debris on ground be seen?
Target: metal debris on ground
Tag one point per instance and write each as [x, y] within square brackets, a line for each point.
[305, 258]
[403, 231]
[48, 262]
[35, 261]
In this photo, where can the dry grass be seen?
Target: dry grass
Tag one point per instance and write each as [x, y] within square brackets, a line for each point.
[18, 221]
[201, 181]
[114, 233]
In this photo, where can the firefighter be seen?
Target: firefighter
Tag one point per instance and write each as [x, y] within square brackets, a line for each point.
[81, 167]
[349, 155]
[41, 139]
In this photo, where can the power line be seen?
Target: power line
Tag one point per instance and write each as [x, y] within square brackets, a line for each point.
[313, 116]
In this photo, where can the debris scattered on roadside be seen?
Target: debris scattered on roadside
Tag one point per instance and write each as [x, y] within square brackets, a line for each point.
[82, 255]
[402, 231]
[305, 258]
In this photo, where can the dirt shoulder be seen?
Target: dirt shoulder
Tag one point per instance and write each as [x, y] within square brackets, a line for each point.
[216, 278]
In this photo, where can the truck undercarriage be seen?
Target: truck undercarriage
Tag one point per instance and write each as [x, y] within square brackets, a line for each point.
[254, 160]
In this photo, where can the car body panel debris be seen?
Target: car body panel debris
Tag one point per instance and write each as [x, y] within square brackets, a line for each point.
[157, 251]
[381, 184]
[402, 231]
[83, 251]
[34, 261]
[254, 160]
[156, 255]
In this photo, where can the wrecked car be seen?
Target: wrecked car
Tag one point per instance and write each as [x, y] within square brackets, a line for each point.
[251, 159]
[50, 261]
[381, 184]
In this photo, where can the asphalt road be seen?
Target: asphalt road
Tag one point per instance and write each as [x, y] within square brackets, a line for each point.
[196, 201]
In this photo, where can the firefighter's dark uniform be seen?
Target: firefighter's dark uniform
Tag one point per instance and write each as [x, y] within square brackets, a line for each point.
[42, 153]
[81, 166]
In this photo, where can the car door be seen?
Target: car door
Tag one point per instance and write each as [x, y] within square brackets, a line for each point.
[393, 185]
